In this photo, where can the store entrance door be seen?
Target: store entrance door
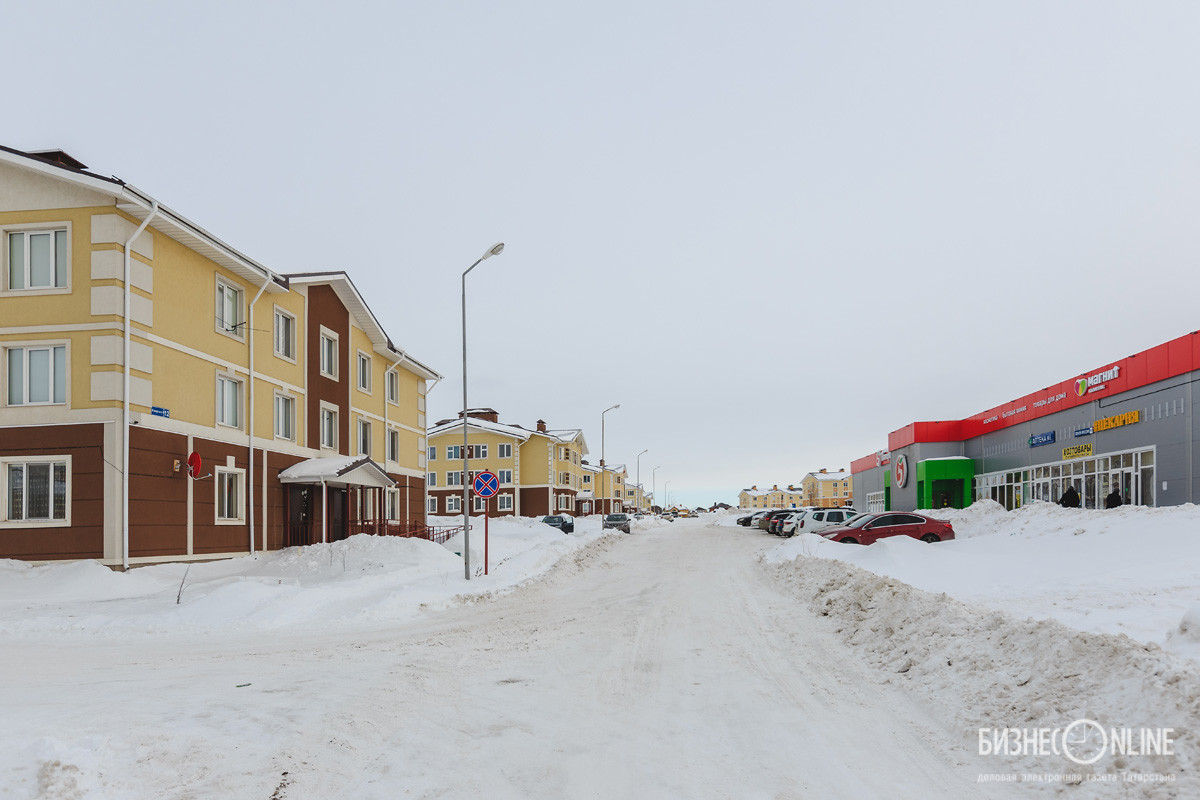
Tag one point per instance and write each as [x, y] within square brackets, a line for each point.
[1122, 480]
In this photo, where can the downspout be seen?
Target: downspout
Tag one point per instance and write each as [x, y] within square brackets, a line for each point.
[387, 437]
[125, 394]
[250, 416]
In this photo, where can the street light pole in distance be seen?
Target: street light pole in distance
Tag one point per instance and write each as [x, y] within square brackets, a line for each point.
[603, 468]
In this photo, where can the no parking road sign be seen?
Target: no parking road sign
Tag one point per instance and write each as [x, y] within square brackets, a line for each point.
[486, 484]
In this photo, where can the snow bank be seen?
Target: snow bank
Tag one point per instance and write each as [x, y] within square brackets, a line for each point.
[984, 669]
[363, 579]
[1132, 570]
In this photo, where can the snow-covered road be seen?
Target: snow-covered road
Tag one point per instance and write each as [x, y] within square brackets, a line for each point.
[666, 664]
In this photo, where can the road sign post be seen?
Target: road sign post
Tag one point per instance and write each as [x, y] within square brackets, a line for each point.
[486, 485]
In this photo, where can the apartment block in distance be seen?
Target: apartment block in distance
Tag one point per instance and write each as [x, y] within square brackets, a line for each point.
[540, 471]
[166, 397]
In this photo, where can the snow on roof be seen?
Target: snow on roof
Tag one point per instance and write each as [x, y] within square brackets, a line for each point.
[337, 471]
[564, 435]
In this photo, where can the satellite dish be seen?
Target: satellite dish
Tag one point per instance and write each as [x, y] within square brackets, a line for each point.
[193, 462]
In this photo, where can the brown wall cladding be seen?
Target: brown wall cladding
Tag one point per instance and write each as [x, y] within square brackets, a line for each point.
[157, 493]
[535, 503]
[276, 497]
[85, 537]
[324, 308]
[414, 490]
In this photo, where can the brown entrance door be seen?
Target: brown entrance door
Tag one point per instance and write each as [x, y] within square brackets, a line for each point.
[299, 529]
[338, 503]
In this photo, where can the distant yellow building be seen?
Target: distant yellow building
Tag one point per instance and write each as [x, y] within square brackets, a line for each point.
[825, 489]
[755, 498]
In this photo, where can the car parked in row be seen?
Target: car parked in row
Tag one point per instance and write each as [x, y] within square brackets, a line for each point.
[870, 528]
[816, 520]
[764, 522]
[564, 522]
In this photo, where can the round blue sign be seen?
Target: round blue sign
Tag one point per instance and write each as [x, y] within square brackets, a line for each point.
[486, 484]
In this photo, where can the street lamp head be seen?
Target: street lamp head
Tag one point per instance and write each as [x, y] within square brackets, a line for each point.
[496, 250]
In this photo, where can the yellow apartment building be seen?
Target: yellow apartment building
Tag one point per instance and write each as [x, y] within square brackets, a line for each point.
[825, 489]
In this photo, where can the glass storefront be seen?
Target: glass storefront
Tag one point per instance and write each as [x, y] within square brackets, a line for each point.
[1130, 473]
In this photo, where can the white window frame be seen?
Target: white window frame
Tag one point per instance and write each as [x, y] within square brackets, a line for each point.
[363, 427]
[564, 502]
[236, 329]
[453, 504]
[504, 476]
[326, 410]
[431, 479]
[220, 475]
[477, 451]
[454, 452]
[365, 386]
[431, 506]
[53, 388]
[504, 502]
[281, 399]
[393, 388]
[8, 231]
[451, 475]
[24, 461]
[239, 401]
[391, 504]
[288, 351]
[327, 369]
[479, 503]
[504, 450]
[432, 452]
[392, 445]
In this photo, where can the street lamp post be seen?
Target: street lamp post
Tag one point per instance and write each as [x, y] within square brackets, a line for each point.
[653, 475]
[495, 250]
[603, 468]
[638, 461]
[666, 494]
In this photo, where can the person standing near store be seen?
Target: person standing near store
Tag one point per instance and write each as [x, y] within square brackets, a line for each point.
[1070, 498]
[1113, 500]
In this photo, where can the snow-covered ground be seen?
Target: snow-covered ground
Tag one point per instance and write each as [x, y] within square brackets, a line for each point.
[691, 659]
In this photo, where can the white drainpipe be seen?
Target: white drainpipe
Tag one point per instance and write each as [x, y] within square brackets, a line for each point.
[125, 405]
[250, 414]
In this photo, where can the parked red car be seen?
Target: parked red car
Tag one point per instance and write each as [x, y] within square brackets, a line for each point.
[869, 528]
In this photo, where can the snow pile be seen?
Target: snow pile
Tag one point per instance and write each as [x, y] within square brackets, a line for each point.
[1131, 570]
[983, 669]
[363, 579]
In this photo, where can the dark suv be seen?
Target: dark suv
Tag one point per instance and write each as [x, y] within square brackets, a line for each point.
[618, 521]
[564, 522]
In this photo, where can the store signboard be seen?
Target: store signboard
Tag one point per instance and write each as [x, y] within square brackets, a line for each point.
[1039, 439]
[1084, 431]
[1077, 451]
[1118, 420]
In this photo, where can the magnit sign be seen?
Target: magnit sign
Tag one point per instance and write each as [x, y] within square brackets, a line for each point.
[1094, 383]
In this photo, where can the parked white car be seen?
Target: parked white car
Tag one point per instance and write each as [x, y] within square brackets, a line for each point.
[814, 520]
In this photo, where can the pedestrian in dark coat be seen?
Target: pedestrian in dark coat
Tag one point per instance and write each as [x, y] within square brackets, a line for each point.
[1070, 498]
[1113, 500]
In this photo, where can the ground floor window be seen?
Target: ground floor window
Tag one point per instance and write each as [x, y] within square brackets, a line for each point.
[566, 502]
[453, 504]
[431, 506]
[504, 502]
[231, 501]
[37, 490]
[876, 502]
[479, 504]
[392, 500]
[1130, 474]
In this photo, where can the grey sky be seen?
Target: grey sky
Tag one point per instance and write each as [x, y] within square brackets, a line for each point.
[773, 232]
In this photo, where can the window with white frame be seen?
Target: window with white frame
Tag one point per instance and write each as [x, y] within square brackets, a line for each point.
[564, 479]
[504, 502]
[37, 490]
[587, 479]
[504, 476]
[480, 503]
[329, 354]
[393, 387]
[392, 504]
[364, 371]
[431, 479]
[454, 478]
[504, 451]
[393, 445]
[477, 451]
[285, 334]
[37, 375]
[454, 452]
[329, 428]
[565, 502]
[431, 506]
[364, 437]
[230, 314]
[229, 401]
[433, 452]
[38, 259]
[231, 495]
[453, 504]
[285, 417]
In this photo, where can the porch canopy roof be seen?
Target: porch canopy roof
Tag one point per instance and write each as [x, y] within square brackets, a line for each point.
[338, 471]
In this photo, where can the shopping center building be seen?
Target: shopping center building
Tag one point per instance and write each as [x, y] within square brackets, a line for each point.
[1129, 425]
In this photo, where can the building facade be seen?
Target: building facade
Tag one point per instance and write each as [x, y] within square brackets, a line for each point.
[1129, 426]
[159, 385]
[825, 489]
[540, 471]
[755, 499]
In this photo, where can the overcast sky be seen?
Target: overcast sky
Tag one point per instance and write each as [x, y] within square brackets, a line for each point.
[773, 232]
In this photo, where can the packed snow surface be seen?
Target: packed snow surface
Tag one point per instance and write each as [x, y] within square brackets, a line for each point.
[691, 659]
